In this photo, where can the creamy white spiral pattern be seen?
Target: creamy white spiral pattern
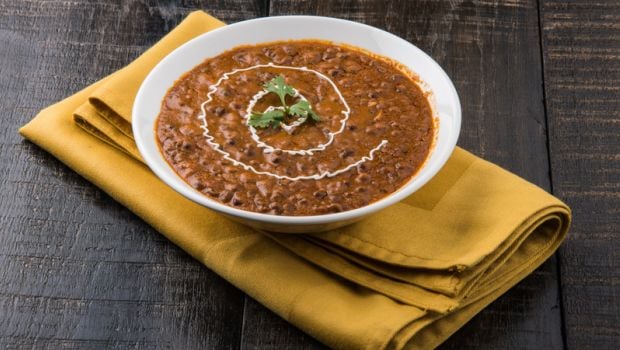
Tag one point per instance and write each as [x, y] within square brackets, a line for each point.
[288, 128]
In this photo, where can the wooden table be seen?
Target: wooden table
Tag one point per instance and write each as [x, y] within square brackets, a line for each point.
[539, 83]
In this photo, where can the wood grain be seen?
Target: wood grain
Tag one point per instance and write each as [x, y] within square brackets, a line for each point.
[582, 70]
[492, 52]
[78, 270]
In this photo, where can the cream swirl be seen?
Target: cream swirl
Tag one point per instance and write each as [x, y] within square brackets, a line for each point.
[287, 127]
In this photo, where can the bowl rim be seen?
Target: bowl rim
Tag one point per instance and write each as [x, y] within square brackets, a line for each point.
[180, 186]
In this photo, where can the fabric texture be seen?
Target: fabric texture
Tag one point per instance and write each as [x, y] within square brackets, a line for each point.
[407, 277]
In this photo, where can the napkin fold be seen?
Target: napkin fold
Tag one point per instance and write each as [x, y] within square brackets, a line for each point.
[407, 277]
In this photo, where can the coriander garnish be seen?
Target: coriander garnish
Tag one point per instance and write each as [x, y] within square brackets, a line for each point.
[304, 110]
[275, 116]
[263, 120]
[280, 88]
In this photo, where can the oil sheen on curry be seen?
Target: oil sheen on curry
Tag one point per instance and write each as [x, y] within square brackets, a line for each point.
[301, 127]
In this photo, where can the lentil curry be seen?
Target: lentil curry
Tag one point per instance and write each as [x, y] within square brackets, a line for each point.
[301, 127]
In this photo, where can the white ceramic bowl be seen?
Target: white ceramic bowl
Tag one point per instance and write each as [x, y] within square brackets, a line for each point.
[148, 101]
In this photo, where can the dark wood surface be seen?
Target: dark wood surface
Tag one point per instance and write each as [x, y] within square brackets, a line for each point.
[539, 83]
[581, 43]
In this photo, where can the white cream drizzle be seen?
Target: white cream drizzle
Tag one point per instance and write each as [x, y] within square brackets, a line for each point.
[288, 128]
[268, 148]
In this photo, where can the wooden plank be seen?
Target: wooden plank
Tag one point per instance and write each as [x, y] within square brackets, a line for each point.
[492, 52]
[582, 82]
[265, 330]
[77, 269]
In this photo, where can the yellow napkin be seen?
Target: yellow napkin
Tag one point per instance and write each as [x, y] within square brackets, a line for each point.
[407, 277]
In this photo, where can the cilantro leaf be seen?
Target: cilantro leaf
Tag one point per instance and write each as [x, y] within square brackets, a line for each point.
[304, 110]
[274, 117]
[279, 87]
[264, 120]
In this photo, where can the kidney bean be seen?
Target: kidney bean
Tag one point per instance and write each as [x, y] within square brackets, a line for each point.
[263, 188]
[231, 187]
[243, 57]
[352, 67]
[276, 195]
[219, 111]
[275, 208]
[236, 199]
[196, 183]
[320, 194]
[225, 196]
[273, 158]
[345, 153]
[362, 178]
[290, 50]
[334, 208]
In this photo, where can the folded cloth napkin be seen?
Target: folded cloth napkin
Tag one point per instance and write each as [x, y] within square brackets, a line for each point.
[407, 277]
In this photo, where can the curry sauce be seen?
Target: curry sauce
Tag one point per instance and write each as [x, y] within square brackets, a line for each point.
[351, 128]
